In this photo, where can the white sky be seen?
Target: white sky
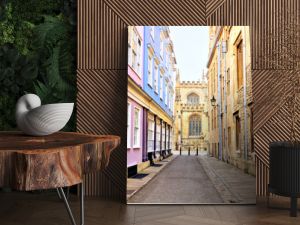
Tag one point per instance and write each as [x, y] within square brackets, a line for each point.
[191, 50]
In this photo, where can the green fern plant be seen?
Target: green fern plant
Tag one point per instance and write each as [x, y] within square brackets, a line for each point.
[54, 44]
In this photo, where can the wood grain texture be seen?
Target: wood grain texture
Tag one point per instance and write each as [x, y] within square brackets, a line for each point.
[105, 115]
[102, 37]
[157, 12]
[19, 207]
[271, 119]
[57, 160]
[102, 62]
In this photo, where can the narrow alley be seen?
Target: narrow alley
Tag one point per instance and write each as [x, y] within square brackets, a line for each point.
[198, 179]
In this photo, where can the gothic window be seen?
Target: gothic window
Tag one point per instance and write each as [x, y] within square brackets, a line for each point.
[240, 64]
[194, 125]
[193, 99]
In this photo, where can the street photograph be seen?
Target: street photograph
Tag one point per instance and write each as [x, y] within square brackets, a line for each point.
[189, 119]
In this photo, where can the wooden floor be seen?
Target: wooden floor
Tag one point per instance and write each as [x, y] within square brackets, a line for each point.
[46, 209]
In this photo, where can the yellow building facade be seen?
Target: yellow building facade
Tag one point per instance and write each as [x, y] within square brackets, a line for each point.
[191, 117]
[230, 97]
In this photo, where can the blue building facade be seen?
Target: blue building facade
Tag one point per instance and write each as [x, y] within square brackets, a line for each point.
[159, 83]
[159, 67]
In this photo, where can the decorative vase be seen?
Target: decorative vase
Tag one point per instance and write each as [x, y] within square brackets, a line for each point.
[40, 120]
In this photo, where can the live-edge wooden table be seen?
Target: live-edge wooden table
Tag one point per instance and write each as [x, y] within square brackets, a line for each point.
[52, 162]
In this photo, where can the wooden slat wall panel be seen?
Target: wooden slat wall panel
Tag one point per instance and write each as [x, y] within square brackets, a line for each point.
[212, 6]
[102, 63]
[104, 115]
[102, 37]
[158, 12]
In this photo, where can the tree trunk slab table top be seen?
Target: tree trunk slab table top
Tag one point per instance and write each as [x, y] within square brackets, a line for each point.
[55, 161]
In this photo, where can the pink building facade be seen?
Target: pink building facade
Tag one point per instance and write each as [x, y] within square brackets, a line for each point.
[135, 54]
[134, 133]
[134, 108]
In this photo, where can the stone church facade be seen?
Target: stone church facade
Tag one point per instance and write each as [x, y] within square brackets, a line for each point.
[191, 116]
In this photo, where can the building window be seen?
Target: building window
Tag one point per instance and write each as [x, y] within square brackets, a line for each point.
[239, 57]
[161, 46]
[237, 132]
[163, 136]
[161, 87]
[128, 125]
[134, 50]
[156, 78]
[152, 31]
[134, 60]
[130, 31]
[166, 93]
[194, 125]
[158, 127]
[139, 57]
[150, 134]
[150, 70]
[168, 137]
[170, 100]
[228, 81]
[136, 135]
[193, 99]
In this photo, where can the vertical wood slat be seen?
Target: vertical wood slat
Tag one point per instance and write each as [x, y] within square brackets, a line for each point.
[101, 40]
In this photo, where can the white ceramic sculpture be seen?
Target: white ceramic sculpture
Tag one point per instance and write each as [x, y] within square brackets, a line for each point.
[40, 120]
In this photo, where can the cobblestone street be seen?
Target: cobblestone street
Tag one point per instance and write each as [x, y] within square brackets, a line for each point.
[198, 179]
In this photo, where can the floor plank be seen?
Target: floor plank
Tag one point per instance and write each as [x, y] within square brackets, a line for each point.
[19, 208]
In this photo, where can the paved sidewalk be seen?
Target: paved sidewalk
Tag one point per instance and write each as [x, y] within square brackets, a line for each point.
[233, 185]
[134, 185]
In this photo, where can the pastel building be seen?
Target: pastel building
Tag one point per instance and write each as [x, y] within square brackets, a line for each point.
[151, 78]
[158, 83]
[230, 85]
[134, 106]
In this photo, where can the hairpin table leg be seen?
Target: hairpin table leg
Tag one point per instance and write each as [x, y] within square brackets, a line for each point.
[81, 203]
[62, 195]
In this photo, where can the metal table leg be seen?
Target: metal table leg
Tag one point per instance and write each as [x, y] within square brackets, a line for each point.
[62, 195]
